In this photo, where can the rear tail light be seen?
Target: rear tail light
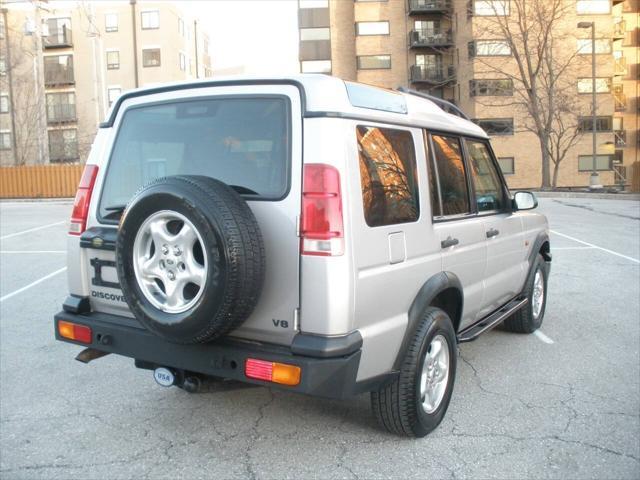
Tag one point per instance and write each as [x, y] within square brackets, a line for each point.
[272, 371]
[322, 229]
[83, 198]
[73, 331]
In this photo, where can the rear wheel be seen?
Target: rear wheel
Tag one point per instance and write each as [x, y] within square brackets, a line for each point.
[416, 401]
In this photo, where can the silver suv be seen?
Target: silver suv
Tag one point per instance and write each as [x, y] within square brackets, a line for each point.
[310, 234]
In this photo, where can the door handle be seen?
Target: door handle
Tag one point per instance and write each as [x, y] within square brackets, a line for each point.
[449, 242]
[492, 232]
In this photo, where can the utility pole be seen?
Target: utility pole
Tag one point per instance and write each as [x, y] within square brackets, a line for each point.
[135, 44]
[195, 39]
[14, 144]
[594, 181]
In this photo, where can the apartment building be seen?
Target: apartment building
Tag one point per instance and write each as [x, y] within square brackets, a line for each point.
[63, 63]
[447, 48]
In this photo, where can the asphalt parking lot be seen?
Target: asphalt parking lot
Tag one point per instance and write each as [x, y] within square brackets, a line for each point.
[561, 404]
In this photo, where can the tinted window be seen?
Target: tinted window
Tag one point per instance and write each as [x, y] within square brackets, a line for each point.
[486, 181]
[388, 176]
[451, 174]
[436, 210]
[240, 141]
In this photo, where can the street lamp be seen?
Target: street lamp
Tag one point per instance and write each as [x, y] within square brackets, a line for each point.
[594, 181]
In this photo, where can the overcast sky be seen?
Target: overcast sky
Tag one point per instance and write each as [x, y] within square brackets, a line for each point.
[259, 36]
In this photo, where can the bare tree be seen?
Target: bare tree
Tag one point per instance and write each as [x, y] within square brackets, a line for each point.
[27, 100]
[532, 30]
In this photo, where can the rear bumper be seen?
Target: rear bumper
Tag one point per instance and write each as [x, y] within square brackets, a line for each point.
[333, 377]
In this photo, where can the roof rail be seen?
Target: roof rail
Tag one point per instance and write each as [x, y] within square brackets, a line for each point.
[443, 104]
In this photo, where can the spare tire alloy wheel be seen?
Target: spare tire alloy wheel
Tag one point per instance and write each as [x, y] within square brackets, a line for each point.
[169, 261]
[190, 258]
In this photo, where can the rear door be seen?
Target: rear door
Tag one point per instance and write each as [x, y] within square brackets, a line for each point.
[246, 136]
[505, 268]
[461, 232]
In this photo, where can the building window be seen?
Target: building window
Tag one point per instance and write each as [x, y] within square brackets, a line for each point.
[113, 59]
[313, 3]
[315, 66]
[603, 45]
[61, 107]
[182, 61]
[59, 34]
[113, 93]
[585, 85]
[181, 27]
[2, 34]
[151, 57]
[585, 163]
[63, 145]
[372, 28]
[315, 34]
[593, 7]
[3, 66]
[491, 8]
[5, 140]
[482, 88]
[374, 62]
[111, 22]
[447, 154]
[4, 103]
[496, 126]
[507, 165]
[489, 48]
[603, 124]
[388, 176]
[58, 70]
[150, 19]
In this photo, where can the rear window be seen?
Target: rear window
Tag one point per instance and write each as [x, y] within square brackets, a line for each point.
[243, 142]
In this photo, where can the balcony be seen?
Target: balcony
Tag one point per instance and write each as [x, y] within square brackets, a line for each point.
[620, 137]
[421, 7]
[620, 66]
[58, 71]
[61, 113]
[619, 29]
[432, 75]
[620, 102]
[59, 37]
[430, 39]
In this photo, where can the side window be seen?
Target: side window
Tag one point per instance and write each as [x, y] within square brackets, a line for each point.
[486, 181]
[388, 176]
[436, 209]
[451, 175]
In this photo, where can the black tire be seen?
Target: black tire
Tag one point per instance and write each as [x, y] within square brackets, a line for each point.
[231, 240]
[397, 406]
[524, 320]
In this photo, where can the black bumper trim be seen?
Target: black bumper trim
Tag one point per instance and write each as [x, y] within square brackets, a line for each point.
[324, 377]
[325, 347]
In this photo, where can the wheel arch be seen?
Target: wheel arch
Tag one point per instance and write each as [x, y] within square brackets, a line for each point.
[444, 291]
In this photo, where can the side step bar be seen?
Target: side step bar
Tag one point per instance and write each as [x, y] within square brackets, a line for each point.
[487, 323]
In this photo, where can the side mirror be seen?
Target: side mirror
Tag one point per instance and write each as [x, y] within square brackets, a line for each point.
[524, 201]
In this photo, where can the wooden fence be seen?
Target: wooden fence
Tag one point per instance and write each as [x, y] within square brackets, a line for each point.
[39, 181]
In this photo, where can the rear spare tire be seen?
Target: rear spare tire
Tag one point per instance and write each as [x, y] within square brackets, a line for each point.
[190, 258]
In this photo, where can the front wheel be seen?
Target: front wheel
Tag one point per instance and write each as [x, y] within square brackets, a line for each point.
[529, 318]
[416, 401]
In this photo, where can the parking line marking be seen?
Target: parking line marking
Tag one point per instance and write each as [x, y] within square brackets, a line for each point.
[32, 284]
[32, 251]
[541, 336]
[32, 229]
[596, 246]
[572, 248]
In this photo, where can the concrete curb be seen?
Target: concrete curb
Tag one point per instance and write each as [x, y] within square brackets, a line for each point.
[609, 196]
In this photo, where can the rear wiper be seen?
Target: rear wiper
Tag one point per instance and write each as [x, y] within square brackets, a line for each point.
[245, 190]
